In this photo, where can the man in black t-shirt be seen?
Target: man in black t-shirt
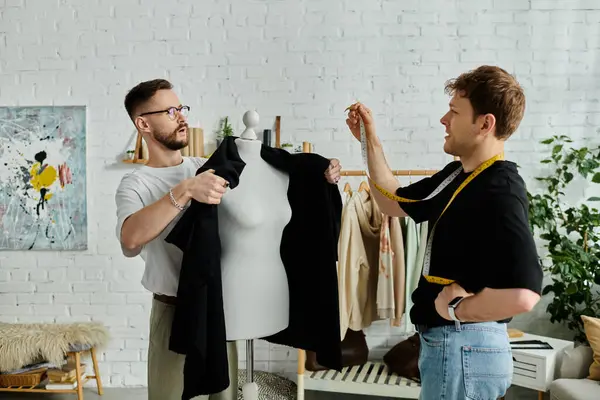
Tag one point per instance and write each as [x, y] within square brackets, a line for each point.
[481, 267]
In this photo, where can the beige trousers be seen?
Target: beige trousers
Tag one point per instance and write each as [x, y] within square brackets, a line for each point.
[165, 368]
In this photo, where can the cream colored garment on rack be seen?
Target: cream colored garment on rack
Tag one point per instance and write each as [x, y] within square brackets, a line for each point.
[358, 261]
[391, 279]
[415, 244]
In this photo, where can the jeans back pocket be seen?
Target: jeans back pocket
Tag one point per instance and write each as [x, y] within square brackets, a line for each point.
[487, 371]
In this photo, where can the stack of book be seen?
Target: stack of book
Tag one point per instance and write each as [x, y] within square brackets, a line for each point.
[64, 378]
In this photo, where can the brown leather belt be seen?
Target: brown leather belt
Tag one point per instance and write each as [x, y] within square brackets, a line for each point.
[171, 300]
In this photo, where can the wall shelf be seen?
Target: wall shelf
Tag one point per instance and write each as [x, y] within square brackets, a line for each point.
[138, 156]
[138, 161]
[195, 147]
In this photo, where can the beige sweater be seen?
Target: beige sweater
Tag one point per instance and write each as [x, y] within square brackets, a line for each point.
[369, 290]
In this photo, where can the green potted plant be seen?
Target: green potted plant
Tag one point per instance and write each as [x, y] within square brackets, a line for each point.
[130, 154]
[570, 234]
[225, 130]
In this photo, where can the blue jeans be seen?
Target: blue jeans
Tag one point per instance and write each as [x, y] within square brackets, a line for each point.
[468, 361]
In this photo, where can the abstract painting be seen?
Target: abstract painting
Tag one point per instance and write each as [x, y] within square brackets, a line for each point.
[43, 202]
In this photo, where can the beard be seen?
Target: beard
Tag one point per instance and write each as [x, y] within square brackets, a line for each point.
[170, 140]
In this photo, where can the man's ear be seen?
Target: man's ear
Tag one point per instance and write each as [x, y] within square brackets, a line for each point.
[488, 123]
[141, 124]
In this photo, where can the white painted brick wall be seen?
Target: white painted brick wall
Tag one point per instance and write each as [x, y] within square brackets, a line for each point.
[304, 60]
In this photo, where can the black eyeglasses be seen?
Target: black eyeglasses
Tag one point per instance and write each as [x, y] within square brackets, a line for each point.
[171, 112]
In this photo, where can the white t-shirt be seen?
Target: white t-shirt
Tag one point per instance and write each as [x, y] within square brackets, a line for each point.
[139, 189]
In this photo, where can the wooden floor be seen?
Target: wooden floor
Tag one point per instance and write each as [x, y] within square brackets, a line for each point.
[140, 394]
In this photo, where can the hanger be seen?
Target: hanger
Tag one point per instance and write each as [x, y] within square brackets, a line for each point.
[347, 188]
[363, 186]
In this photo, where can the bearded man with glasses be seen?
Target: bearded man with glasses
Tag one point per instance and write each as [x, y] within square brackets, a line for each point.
[150, 201]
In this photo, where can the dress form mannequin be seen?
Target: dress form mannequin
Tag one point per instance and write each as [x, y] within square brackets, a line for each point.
[251, 221]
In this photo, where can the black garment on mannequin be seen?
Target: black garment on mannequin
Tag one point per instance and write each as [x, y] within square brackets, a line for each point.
[309, 254]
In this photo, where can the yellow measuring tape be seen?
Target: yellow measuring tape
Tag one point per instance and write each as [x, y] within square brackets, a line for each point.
[430, 278]
[476, 172]
[391, 196]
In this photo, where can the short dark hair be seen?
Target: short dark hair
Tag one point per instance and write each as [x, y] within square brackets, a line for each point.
[492, 90]
[143, 92]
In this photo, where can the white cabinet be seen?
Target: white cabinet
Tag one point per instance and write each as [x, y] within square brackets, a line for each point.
[536, 369]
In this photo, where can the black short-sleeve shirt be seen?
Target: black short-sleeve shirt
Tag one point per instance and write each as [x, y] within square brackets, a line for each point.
[482, 240]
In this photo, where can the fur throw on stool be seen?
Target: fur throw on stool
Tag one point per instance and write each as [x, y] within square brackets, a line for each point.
[25, 344]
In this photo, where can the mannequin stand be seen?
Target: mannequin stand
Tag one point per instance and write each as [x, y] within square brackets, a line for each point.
[250, 388]
[268, 312]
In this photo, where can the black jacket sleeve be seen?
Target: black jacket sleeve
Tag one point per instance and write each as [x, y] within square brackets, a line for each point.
[198, 328]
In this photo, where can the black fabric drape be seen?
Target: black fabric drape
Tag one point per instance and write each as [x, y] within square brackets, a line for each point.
[308, 251]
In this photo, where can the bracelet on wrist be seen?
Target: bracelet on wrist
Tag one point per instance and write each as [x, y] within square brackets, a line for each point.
[174, 202]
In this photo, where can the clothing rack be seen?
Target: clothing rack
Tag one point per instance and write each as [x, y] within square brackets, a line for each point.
[371, 378]
[398, 172]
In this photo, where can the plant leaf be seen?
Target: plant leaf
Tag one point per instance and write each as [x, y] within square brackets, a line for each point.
[568, 177]
[547, 290]
[568, 233]
[557, 148]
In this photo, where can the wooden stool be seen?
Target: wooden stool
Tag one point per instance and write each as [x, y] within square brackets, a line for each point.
[74, 355]
[80, 382]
